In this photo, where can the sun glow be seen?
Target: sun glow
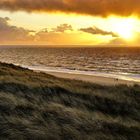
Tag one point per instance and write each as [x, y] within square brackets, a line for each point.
[125, 30]
[124, 27]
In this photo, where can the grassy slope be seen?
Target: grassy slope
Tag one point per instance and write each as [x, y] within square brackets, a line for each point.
[39, 106]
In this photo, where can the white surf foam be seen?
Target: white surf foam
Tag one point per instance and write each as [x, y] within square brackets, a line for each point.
[121, 76]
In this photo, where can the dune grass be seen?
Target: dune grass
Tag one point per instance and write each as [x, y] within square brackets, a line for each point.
[39, 106]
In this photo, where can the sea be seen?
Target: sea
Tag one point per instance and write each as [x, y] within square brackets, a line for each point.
[116, 62]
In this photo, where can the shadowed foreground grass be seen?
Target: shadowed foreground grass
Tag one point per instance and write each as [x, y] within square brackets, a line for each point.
[42, 107]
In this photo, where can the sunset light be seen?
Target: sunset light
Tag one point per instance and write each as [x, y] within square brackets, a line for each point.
[125, 27]
[69, 69]
[60, 28]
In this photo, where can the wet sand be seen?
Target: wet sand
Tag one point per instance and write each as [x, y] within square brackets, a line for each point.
[94, 79]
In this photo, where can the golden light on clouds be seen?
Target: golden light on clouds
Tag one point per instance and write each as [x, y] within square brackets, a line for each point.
[80, 22]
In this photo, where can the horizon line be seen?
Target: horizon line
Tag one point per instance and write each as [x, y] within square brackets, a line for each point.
[66, 45]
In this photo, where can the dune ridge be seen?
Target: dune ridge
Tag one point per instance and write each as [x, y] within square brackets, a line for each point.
[36, 105]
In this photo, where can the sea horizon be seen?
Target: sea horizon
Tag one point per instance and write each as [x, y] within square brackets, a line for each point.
[67, 46]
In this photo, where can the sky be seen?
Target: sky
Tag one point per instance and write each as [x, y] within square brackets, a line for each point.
[70, 22]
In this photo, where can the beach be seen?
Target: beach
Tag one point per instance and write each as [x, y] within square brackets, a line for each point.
[93, 79]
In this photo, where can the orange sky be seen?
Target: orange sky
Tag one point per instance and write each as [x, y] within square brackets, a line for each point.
[70, 22]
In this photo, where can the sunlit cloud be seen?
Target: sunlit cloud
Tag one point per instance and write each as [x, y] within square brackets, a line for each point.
[66, 34]
[12, 33]
[96, 31]
[118, 41]
[62, 28]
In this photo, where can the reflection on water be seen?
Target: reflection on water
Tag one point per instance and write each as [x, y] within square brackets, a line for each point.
[122, 61]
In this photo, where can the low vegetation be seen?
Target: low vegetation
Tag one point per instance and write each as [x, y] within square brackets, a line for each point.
[39, 106]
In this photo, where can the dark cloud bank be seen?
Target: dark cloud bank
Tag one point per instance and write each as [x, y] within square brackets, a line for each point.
[91, 7]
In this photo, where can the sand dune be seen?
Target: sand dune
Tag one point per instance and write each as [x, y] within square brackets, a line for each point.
[38, 106]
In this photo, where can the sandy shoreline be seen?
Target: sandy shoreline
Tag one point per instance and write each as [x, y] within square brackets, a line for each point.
[92, 78]
[97, 78]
